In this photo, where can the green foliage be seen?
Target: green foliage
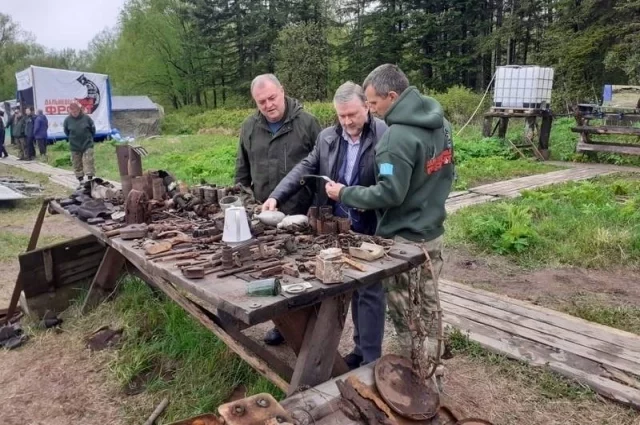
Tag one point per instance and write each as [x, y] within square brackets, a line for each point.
[59, 146]
[231, 119]
[459, 103]
[625, 317]
[176, 355]
[588, 224]
[302, 53]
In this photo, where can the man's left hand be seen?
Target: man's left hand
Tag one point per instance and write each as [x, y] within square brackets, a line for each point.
[333, 190]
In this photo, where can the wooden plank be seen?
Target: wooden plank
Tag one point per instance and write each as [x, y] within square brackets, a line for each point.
[561, 320]
[105, 278]
[553, 332]
[191, 308]
[628, 131]
[538, 355]
[629, 150]
[587, 352]
[319, 349]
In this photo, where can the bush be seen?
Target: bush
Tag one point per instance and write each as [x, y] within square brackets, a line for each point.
[63, 161]
[459, 103]
[59, 146]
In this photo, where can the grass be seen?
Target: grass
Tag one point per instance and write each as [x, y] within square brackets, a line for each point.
[592, 224]
[169, 353]
[589, 307]
[193, 158]
[547, 383]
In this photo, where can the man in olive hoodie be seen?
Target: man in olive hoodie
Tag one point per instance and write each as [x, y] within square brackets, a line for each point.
[415, 175]
[80, 130]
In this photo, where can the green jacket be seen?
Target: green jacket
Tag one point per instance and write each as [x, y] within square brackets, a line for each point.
[264, 159]
[415, 171]
[18, 128]
[80, 132]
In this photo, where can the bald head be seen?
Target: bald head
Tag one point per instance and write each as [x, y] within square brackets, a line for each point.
[268, 94]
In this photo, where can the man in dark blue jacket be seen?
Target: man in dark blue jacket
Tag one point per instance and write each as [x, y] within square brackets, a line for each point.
[40, 126]
[346, 153]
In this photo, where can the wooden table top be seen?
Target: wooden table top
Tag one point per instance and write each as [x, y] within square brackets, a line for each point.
[228, 294]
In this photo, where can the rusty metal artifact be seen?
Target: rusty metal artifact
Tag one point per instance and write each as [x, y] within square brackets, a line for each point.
[404, 391]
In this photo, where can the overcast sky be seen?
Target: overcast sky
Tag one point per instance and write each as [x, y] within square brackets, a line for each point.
[58, 24]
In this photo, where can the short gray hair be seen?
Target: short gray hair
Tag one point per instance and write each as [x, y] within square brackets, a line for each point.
[263, 78]
[349, 91]
[387, 78]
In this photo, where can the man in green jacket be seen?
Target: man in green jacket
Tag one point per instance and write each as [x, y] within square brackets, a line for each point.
[80, 131]
[415, 174]
[273, 141]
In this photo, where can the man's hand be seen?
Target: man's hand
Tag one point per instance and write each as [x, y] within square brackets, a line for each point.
[333, 190]
[270, 204]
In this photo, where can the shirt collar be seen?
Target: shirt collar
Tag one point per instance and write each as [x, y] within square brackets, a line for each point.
[349, 139]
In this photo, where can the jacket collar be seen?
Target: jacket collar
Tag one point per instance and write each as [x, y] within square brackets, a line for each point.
[292, 109]
[367, 137]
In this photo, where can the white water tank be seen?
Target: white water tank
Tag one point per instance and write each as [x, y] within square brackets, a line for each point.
[522, 87]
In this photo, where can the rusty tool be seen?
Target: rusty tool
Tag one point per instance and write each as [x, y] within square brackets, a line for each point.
[354, 264]
[253, 267]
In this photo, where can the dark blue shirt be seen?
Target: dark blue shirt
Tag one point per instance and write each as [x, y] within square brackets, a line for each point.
[275, 126]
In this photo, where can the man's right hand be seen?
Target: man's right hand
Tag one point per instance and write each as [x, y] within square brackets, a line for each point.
[270, 204]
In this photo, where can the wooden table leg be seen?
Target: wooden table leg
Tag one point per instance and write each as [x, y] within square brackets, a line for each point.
[105, 279]
[33, 243]
[316, 343]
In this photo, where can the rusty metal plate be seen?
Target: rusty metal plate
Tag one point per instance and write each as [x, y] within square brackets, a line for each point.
[404, 391]
[254, 410]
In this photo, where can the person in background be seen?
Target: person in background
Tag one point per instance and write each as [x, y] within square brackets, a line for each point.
[18, 131]
[80, 130]
[40, 126]
[346, 153]
[415, 168]
[3, 150]
[29, 147]
[11, 124]
[272, 141]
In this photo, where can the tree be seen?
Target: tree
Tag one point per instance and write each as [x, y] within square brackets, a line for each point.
[302, 53]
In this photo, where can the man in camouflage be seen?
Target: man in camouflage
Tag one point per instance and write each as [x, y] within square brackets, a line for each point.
[80, 130]
[414, 161]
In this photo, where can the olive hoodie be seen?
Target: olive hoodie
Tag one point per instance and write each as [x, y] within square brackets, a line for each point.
[415, 171]
[80, 132]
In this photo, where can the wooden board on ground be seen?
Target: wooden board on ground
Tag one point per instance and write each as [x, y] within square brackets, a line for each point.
[603, 358]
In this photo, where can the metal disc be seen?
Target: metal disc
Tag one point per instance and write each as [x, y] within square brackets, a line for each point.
[404, 391]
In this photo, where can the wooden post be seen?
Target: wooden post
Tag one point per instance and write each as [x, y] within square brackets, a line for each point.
[486, 126]
[33, 243]
[105, 279]
[545, 135]
[502, 129]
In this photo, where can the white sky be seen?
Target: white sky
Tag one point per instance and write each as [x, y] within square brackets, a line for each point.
[58, 24]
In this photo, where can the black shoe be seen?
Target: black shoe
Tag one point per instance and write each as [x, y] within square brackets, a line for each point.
[353, 360]
[273, 337]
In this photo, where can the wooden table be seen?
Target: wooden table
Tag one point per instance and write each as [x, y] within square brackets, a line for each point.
[311, 322]
[623, 126]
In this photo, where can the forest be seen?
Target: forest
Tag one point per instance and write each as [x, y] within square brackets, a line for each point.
[204, 53]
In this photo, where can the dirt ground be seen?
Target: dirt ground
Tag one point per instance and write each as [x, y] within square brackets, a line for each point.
[55, 380]
[553, 288]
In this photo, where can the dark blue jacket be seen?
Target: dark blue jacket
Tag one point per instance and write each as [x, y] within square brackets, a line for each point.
[40, 126]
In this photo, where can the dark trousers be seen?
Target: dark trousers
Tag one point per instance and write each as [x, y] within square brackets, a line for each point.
[14, 140]
[42, 146]
[368, 307]
[31, 148]
[3, 150]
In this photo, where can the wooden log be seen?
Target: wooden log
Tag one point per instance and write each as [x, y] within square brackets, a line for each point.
[105, 279]
[486, 126]
[628, 131]
[502, 129]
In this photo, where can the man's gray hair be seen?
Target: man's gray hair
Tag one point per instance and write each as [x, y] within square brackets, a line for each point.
[263, 78]
[349, 91]
[387, 78]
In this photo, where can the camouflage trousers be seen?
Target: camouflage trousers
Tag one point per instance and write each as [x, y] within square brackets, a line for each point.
[22, 142]
[412, 306]
[83, 163]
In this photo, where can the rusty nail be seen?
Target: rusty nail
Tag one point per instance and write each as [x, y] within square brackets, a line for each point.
[238, 410]
[262, 402]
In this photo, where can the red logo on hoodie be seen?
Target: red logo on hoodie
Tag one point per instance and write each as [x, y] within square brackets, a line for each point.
[436, 164]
